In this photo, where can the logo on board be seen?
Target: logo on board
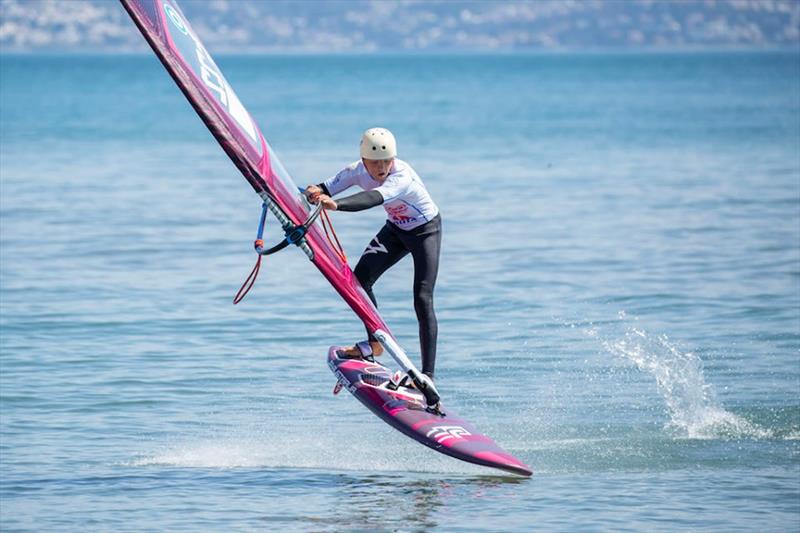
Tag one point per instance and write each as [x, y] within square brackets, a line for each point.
[443, 433]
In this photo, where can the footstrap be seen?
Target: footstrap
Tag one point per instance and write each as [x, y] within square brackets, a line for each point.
[365, 348]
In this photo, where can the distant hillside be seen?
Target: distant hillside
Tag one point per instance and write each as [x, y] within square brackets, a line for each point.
[369, 25]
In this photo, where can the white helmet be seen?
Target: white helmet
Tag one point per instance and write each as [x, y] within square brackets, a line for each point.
[378, 144]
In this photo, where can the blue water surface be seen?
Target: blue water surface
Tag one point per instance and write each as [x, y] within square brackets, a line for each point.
[619, 296]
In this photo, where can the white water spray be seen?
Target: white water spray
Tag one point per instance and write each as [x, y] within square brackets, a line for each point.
[693, 407]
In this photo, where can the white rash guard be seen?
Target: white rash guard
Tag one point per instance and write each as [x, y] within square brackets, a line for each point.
[405, 198]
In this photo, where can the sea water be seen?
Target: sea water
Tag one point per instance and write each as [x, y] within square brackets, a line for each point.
[618, 299]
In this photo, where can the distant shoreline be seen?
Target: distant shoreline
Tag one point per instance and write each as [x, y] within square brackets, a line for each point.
[425, 53]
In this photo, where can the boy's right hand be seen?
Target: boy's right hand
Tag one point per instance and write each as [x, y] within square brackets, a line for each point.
[312, 192]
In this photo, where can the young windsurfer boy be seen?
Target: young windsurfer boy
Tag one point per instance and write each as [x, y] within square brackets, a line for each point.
[413, 226]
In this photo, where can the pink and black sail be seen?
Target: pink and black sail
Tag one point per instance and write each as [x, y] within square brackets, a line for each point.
[188, 62]
[178, 47]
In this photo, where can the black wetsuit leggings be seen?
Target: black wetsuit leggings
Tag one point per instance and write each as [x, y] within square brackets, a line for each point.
[389, 246]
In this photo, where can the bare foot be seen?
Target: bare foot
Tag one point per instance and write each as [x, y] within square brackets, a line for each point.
[377, 348]
[350, 353]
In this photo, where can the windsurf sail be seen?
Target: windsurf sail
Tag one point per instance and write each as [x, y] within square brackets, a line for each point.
[166, 29]
[179, 48]
[173, 40]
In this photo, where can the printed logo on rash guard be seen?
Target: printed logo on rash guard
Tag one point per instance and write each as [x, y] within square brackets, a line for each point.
[398, 215]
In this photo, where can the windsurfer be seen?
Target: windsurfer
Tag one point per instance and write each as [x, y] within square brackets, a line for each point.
[413, 226]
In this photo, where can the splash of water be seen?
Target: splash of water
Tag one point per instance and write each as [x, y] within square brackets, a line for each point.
[254, 447]
[694, 410]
